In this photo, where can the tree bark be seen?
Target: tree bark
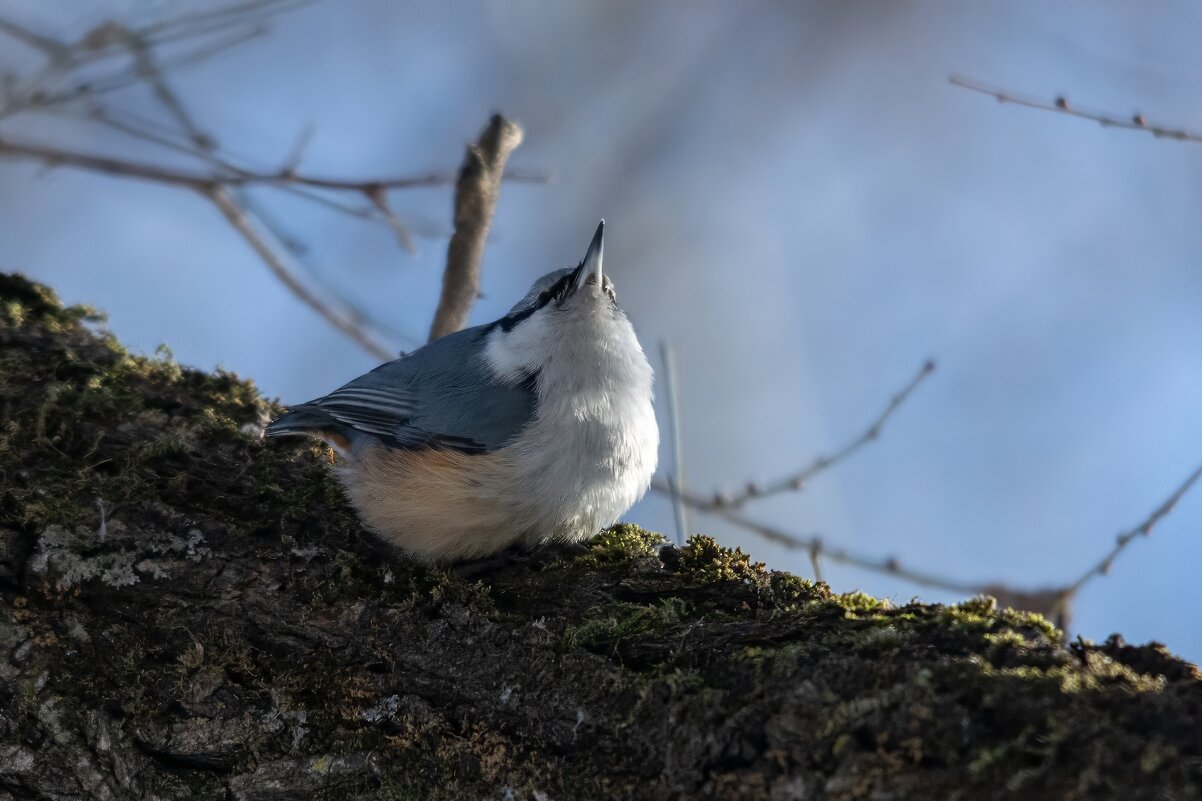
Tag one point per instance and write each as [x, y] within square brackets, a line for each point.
[187, 612]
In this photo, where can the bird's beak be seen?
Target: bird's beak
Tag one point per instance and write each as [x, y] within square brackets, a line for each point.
[592, 260]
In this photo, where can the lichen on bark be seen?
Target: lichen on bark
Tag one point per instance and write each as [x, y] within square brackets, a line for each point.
[189, 612]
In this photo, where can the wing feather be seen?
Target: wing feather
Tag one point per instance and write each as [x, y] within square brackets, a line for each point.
[441, 395]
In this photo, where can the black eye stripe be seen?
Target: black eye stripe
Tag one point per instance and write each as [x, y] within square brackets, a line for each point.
[555, 292]
[558, 290]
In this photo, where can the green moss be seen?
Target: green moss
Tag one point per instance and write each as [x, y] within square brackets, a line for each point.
[788, 592]
[981, 621]
[609, 625]
[703, 561]
[981, 605]
[1032, 621]
[437, 587]
[81, 399]
[26, 302]
[859, 602]
[1007, 638]
[618, 545]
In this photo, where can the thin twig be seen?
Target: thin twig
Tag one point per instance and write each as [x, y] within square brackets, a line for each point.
[298, 252]
[1142, 530]
[210, 49]
[205, 146]
[105, 116]
[677, 478]
[1052, 602]
[53, 49]
[476, 193]
[816, 547]
[234, 14]
[111, 38]
[379, 199]
[202, 182]
[256, 238]
[257, 214]
[815, 553]
[797, 481]
[148, 68]
[198, 143]
[205, 143]
[1061, 105]
[297, 154]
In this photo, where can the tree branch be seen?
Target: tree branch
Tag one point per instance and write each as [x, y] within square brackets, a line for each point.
[1135, 122]
[202, 182]
[476, 194]
[1053, 602]
[237, 635]
[255, 238]
[1142, 530]
[798, 480]
[53, 49]
[677, 478]
[815, 546]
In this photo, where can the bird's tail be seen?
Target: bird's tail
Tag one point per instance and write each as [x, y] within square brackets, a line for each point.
[313, 421]
[299, 420]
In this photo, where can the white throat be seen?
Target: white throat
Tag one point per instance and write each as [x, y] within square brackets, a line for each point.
[593, 445]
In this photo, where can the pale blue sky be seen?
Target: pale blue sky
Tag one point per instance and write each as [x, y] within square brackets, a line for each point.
[794, 196]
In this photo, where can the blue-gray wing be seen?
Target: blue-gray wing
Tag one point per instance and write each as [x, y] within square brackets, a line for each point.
[440, 395]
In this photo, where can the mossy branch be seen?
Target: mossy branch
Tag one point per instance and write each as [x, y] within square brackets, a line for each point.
[236, 635]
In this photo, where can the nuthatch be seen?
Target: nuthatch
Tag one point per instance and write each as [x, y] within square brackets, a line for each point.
[535, 428]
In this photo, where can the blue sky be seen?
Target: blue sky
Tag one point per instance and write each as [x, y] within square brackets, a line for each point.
[794, 196]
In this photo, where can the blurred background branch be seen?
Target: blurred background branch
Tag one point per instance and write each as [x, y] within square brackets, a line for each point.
[678, 478]
[223, 183]
[1061, 105]
[797, 481]
[476, 193]
[1053, 602]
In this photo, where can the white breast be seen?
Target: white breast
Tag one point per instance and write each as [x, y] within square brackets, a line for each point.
[592, 448]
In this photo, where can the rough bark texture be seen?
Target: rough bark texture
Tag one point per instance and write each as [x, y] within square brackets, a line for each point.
[229, 632]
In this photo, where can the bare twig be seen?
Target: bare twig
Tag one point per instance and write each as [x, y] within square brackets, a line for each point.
[257, 239]
[1053, 602]
[225, 182]
[108, 117]
[205, 146]
[815, 547]
[111, 38]
[815, 553]
[299, 146]
[234, 14]
[798, 480]
[1134, 122]
[676, 479]
[53, 49]
[1142, 530]
[148, 68]
[379, 199]
[202, 182]
[476, 193]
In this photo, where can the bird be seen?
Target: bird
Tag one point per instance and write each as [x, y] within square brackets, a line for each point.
[537, 428]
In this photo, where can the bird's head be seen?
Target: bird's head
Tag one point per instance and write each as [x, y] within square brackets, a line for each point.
[566, 314]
